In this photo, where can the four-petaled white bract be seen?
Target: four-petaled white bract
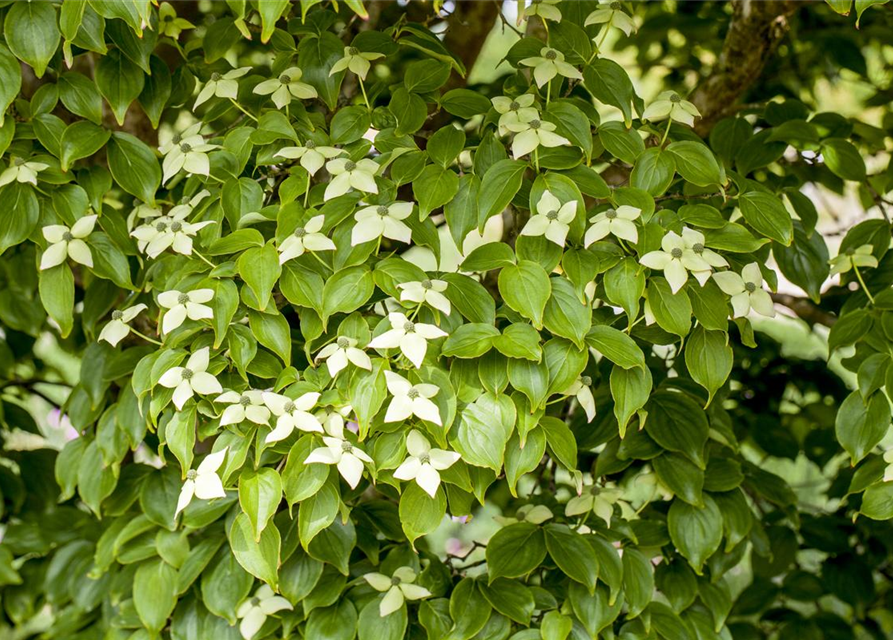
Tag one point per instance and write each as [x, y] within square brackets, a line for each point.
[552, 219]
[610, 14]
[68, 243]
[222, 86]
[190, 379]
[355, 60]
[746, 290]
[382, 221]
[428, 291]
[619, 222]
[411, 337]
[244, 405]
[532, 134]
[305, 237]
[410, 400]
[669, 105]
[346, 455]
[313, 156]
[424, 464]
[172, 230]
[291, 414]
[23, 171]
[514, 111]
[580, 389]
[680, 255]
[397, 589]
[118, 327]
[253, 611]
[184, 304]
[550, 63]
[348, 174]
[203, 482]
[343, 350]
[286, 86]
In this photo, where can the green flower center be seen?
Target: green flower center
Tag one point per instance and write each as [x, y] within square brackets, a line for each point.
[168, 18]
[427, 284]
[551, 55]
[615, 6]
[18, 162]
[610, 214]
[300, 232]
[67, 236]
[185, 147]
[346, 447]
[514, 106]
[350, 165]
[244, 400]
[176, 227]
[117, 315]
[698, 248]
[177, 138]
[675, 98]
[353, 51]
[182, 298]
[409, 327]
[676, 253]
[284, 79]
[586, 380]
[289, 407]
[255, 601]
[395, 581]
[425, 458]
[215, 77]
[750, 287]
[552, 215]
[161, 226]
[187, 374]
[412, 394]
[382, 210]
[535, 124]
[191, 474]
[310, 144]
[343, 343]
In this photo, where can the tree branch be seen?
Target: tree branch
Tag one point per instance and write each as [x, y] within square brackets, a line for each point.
[754, 33]
[805, 309]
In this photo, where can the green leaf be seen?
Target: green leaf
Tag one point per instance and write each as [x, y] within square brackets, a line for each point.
[317, 512]
[609, 83]
[119, 81]
[677, 423]
[464, 103]
[316, 56]
[260, 269]
[56, 287]
[638, 581]
[861, 425]
[515, 551]
[696, 532]
[709, 359]
[426, 75]
[259, 495]
[156, 90]
[625, 285]
[32, 34]
[526, 287]
[510, 598]
[155, 594]
[81, 140]
[498, 186]
[445, 145]
[80, 96]
[349, 124]
[696, 163]
[572, 554]
[259, 557]
[519, 340]
[409, 110]
[767, 215]
[484, 429]
[653, 172]
[10, 80]
[373, 627]
[680, 476]
[420, 514]
[470, 341]
[616, 346]
[672, 311]
[134, 166]
[630, 389]
[273, 332]
[877, 501]
[346, 291]
[270, 12]
[843, 159]
[24, 211]
[572, 124]
[434, 188]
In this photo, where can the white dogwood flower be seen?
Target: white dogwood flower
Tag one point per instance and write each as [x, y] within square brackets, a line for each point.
[853, 258]
[191, 156]
[581, 390]
[169, 24]
[291, 414]
[172, 230]
[382, 220]
[313, 156]
[670, 104]
[68, 243]
[598, 500]
[545, 9]
[356, 60]
[552, 219]
[548, 64]
[534, 514]
[746, 290]
[203, 482]
[675, 259]
[253, 611]
[533, 134]
[245, 405]
[410, 400]
[286, 86]
[181, 305]
[397, 589]
[424, 464]
[305, 238]
[21, 170]
[617, 222]
[118, 327]
[346, 174]
[191, 379]
[411, 337]
[347, 456]
[610, 13]
[337, 354]
[428, 291]
[221, 85]
[514, 110]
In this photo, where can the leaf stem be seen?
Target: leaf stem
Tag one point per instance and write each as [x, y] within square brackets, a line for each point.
[145, 337]
[208, 262]
[242, 109]
[365, 97]
[666, 132]
[862, 282]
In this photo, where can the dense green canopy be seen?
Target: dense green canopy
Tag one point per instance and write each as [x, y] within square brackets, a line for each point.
[446, 321]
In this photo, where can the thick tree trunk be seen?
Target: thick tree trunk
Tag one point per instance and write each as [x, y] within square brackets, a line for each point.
[756, 28]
